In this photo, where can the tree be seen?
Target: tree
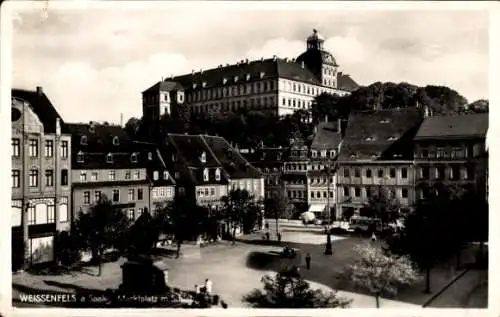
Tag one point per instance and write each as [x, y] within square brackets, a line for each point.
[289, 290]
[276, 207]
[379, 273]
[132, 127]
[182, 218]
[237, 206]
[102, 228]
[383, 205]
[479, 106]
[422, 238]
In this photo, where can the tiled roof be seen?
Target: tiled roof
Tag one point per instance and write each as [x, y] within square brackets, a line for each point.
[346, 83]
[42, 107]
[255, 70]
[472, 125]
[189, 150]
[99, 143]
[231, 159]
[156, 163]
[326, 136]
[380, 134]
[166, 85]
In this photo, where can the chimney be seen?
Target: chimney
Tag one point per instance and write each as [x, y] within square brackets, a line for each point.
[58, 126]
[39, 90]
[339, 126]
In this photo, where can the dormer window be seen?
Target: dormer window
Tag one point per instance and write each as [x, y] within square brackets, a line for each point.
[133, 158]
[150, 156]
[262, 74]
[224, 81]
[236, 79]
[116, 141]
[205, 175]
[79, 157]
[203, 157]
[217, 174]
[332, 153]
[155, 175]
[248, 76]
[354, 155]
[385, 121]
[92, 128]
[392, 138]
[370, 138]
[83, 140]
[109, 158]
[204, 84]
[314, 153]
[165, 175]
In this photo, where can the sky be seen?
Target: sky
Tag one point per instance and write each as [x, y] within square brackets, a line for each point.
[94, 62]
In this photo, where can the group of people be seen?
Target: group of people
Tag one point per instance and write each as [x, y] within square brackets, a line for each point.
[207, 289]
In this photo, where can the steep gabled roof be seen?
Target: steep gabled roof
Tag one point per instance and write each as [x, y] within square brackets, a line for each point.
[166, 85]
[346, 83]
[380, 134]
[42, 107]
[456, 126]
[230, 159]
[326, 136]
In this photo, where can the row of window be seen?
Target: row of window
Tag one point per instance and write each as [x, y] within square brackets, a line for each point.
[80, 157]
[115, 197]
[206, 175]
[156, 175]
[33, 178]
[43, 214]
[205, 192]
[223, 92]
[356, 192]
[451, 173]
[303, 88]
[297, 103]
[450, 153]
[84, 140]
[234, 105]
[323, 153]
[380, 172]
[162, 192]
[321, 194]
[33, 148]
[111, 175]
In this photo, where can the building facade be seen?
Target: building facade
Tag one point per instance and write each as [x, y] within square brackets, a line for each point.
[376, 153]
[41, 168]
[274, 86]
[322, 176]
[269, 162]
[451, 151]
[295, 177]
[106, 163]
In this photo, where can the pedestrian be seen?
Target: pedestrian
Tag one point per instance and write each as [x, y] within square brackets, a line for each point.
[374, 238]
[279, 237]
[308, 261]
[208, 286]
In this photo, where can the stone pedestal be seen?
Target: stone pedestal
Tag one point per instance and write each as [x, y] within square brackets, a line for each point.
[141, 276]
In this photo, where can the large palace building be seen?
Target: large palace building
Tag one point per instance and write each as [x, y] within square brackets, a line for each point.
[274, 86]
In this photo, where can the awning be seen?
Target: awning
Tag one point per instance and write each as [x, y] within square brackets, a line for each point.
[316, 208]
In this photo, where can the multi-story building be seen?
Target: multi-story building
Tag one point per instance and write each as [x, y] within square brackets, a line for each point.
[106, 162]
[269, 161]
[162, 188]
[206, 168]
[450, 150]
[296, 165]
[322, 172]
[41, 184]
[275, 86]
[161, 99]
[377, 151]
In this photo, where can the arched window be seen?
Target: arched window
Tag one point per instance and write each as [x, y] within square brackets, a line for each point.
[83, 140]
[109, 158]
[116, 141]
[133, 158]
[217, 174]
[205, 175]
